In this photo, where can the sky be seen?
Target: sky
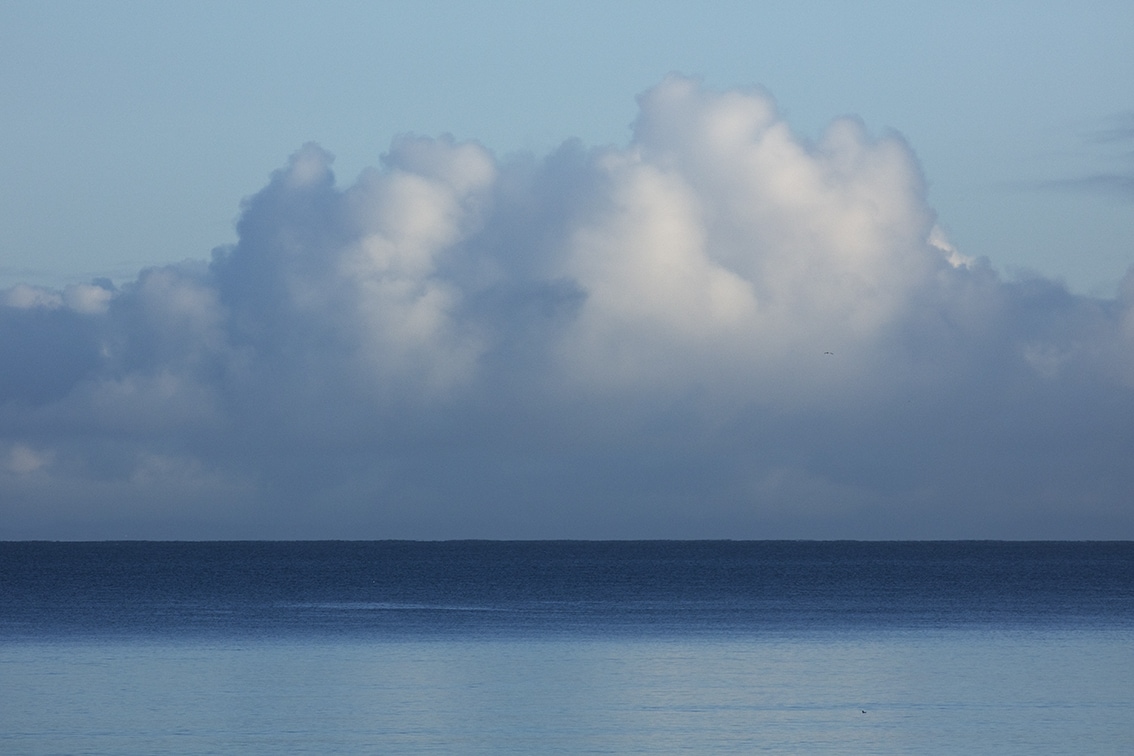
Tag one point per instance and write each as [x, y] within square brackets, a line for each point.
[515, 270]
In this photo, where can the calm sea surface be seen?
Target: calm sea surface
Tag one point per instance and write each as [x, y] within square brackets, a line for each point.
[567, 647]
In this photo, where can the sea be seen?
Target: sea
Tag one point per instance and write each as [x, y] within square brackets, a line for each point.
[567, 647]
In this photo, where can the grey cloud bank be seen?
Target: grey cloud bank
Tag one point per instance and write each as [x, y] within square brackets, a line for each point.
[719, 330]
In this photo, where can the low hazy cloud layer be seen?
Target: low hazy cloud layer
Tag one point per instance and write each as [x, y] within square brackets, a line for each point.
[719, 330]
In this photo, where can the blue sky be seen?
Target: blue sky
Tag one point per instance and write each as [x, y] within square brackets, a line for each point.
[521, 270]
[133, 130]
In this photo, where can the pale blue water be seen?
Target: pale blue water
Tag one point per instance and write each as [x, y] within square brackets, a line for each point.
[567, 648]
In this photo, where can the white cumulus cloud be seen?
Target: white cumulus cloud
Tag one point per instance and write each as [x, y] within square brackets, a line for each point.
[719, 329]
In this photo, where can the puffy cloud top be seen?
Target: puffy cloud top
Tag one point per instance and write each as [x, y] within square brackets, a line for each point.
[718, 330]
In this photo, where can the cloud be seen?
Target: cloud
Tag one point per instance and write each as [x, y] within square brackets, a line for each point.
[1118, 183]
[717, 330]
[22, 459]
[1119, 128]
